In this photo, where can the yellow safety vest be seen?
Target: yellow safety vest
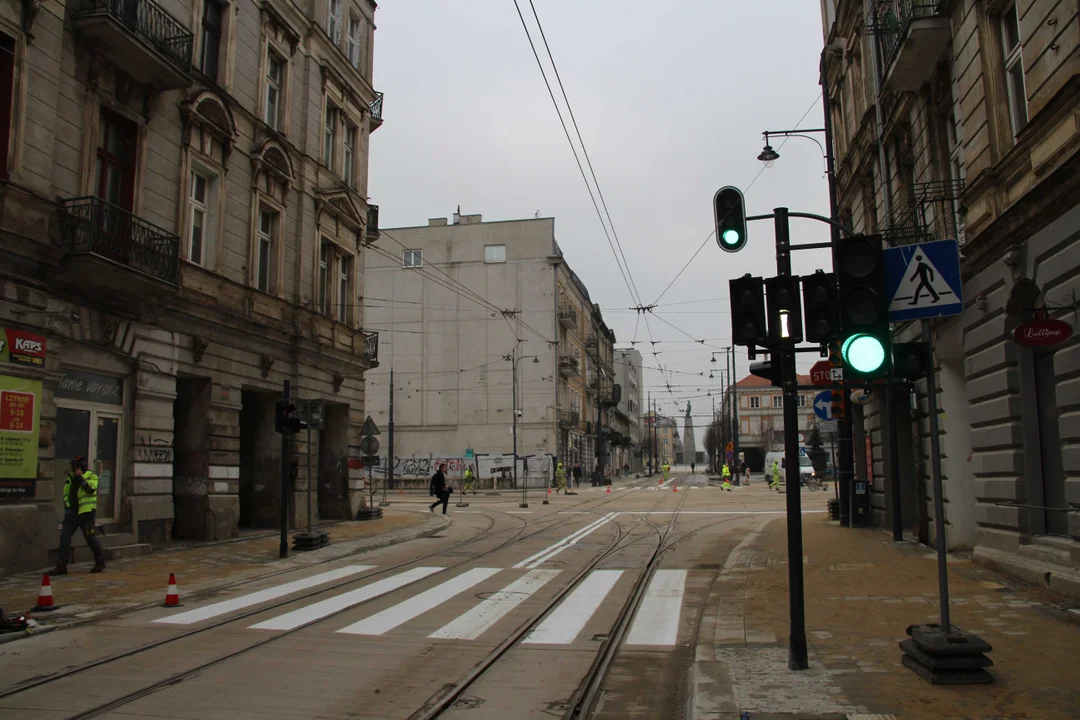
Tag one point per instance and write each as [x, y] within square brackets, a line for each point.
[468, 476]
[87, 493]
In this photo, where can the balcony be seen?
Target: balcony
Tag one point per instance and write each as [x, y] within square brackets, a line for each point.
[568, 316]
[569, 418]
[372, 223]
[569, 366]
[93, 230]
[911, 37]
[371, 347]
[141, 38]
[376, 113]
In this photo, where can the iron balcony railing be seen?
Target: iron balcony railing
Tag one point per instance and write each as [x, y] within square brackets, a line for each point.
[101, 228]
[892, 20]
[569, 418]
[372, 222]
[371, 346]
[150, 23]
[376, 107]
[931, 212]
[569, 365]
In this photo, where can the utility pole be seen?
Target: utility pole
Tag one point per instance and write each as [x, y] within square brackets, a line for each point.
[733, 384]
[785, 354]
[648, 432]
[389, 442]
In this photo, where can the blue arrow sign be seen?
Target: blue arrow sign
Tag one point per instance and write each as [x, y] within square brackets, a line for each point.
[823, 405]
[923, 281]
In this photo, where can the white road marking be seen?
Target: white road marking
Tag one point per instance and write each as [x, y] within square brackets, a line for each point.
[564, 623]
[406, 610]
[518, 512]
[559, 546]
[481, 618]
[238, 603]
[328, 607]
[715, 512]
[657, 619]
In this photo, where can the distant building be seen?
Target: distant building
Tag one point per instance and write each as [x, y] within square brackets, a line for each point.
[761, 417]
[689, 442]
[628, 376]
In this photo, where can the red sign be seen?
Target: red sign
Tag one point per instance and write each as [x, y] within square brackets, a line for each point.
[821, 373]
[26, 348]
[1043, 332]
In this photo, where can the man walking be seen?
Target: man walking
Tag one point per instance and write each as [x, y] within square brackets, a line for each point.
[470, 478]
[438, 489]
[775, 475]
[80, 511]
[560, 479]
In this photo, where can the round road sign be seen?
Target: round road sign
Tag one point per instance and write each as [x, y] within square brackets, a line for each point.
[369, 445]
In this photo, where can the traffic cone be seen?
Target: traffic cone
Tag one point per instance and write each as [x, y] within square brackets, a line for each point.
[172, 597]
[609, 488]
[45, 598]
[675, 488]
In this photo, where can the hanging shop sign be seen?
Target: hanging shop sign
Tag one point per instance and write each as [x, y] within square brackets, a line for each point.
[20, 411]
[1042, 332]
[90, 387]
[22, 348]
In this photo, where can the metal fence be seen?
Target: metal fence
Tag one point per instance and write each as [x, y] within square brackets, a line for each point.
[92, 225]
[150, 23]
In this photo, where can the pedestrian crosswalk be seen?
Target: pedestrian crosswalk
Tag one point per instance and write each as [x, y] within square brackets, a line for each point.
[498, 593]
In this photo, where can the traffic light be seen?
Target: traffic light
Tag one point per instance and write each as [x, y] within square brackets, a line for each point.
[819, 307]
[768, 369]
[864, 321]
[285, 420]
[785, 310]
[730, 211]
[911, 360]
[747, 298]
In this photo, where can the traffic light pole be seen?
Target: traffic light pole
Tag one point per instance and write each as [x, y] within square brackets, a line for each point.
[785, 353]
[283, 547]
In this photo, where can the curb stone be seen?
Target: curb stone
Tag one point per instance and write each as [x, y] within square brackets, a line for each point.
[353, 547]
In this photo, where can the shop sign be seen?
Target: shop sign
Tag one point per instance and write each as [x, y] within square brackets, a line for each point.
[1043, 332]
[20, 410]
[22, 348]
[90, 387]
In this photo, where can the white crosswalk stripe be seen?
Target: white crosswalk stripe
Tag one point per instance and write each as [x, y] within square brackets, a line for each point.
[325, 608]
[417, 605]
[657, 619]
[472, 624]
[563, 624]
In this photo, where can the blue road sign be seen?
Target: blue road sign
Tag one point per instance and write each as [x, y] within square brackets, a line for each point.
[823, 405]
[923, 281]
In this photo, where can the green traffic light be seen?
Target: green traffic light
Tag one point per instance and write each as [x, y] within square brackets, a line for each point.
[864, 353]
[731, 236]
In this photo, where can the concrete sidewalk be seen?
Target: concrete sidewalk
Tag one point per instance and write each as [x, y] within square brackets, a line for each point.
[140, 581]
[862, 591]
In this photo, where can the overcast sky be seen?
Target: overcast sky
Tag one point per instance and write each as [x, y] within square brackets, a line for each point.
[671, 99]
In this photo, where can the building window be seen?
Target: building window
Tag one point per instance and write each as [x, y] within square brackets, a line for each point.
[275, 80]
[267, 231]
[412, 258]
[211, 38]
[745, 426]
[802, 401]
[494, 253]
[199, 221]
[344, 276]
[1014, 70]
[7, 98]
[755, 402]
[116, 158]
[330, 135]
[333, 22]
[348, 157]
[778, 401]
[324, 278]
[354, 41]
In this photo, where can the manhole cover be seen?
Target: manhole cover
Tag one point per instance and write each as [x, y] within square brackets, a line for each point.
[468, 703]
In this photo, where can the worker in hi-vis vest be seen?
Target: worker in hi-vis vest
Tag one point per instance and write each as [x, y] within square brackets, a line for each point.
[80, 512]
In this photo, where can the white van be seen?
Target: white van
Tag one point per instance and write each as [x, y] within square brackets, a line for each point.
[806, 468]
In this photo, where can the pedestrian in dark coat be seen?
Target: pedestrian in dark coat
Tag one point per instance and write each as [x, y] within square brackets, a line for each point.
[439, 489]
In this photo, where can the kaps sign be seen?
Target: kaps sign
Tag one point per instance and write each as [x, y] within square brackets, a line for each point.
[17, 346]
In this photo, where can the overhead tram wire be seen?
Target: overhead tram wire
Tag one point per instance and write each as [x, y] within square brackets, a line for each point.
[629, 286]
[759, 172]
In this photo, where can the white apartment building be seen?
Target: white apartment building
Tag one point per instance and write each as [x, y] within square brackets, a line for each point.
[761, 417]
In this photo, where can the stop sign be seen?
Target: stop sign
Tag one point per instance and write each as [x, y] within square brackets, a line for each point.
[821, 373]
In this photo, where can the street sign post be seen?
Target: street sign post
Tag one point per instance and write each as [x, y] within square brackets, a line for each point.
[823, 405]
[923, 281]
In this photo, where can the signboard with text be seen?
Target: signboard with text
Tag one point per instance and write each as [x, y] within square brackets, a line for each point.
[22, 348]
[20, 411]
[90, 387]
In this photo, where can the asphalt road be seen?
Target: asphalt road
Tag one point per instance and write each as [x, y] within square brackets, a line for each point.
[586, 607]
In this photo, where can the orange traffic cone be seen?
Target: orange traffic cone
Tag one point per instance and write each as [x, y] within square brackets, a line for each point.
[45, 598]
[674, 488]
[609, 488]
[172, 597]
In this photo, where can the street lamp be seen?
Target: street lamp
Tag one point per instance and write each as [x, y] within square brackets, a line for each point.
[514, 406]
[768, 155]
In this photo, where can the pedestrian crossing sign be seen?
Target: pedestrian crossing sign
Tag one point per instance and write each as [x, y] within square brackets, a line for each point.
[923, 281]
